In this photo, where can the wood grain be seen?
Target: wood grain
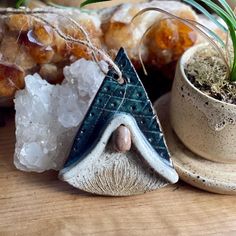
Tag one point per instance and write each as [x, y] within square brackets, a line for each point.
[40, 204]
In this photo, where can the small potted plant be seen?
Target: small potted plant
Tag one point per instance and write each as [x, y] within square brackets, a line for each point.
[203, 97]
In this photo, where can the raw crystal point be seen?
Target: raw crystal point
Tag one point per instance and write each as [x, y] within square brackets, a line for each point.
[48, 116]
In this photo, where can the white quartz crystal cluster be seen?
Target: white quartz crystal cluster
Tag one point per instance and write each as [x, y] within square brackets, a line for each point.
[48, 116]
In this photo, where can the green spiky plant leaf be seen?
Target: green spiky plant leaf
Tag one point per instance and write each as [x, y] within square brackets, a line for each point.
[87, 2]
[224, 11]
[19, 3]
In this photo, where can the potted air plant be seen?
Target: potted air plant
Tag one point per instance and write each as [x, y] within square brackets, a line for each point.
[203, 97]
[203, 103]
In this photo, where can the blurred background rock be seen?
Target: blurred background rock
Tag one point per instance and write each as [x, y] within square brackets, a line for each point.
[158, 81]
[74, 3]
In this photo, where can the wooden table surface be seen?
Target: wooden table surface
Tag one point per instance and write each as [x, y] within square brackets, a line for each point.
[40, 204]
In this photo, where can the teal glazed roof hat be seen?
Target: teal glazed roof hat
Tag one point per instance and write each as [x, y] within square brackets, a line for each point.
[125, 104]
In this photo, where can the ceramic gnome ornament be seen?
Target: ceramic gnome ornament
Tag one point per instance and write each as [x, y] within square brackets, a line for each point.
[119, 149]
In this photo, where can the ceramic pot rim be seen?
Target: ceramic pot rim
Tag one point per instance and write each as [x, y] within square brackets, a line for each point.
[184, 58]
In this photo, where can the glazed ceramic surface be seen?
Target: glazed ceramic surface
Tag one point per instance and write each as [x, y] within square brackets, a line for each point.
[205, 125]
[94, 166]
[193, 169]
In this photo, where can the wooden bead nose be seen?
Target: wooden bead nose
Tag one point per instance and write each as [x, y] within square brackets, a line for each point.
[121, 139]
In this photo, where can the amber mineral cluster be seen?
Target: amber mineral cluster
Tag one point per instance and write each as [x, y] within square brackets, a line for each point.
[33, 43]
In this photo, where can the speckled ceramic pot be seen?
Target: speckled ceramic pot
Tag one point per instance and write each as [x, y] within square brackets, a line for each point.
[205, 125]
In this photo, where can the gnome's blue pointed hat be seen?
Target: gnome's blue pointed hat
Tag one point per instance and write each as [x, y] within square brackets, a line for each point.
[122, 104]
